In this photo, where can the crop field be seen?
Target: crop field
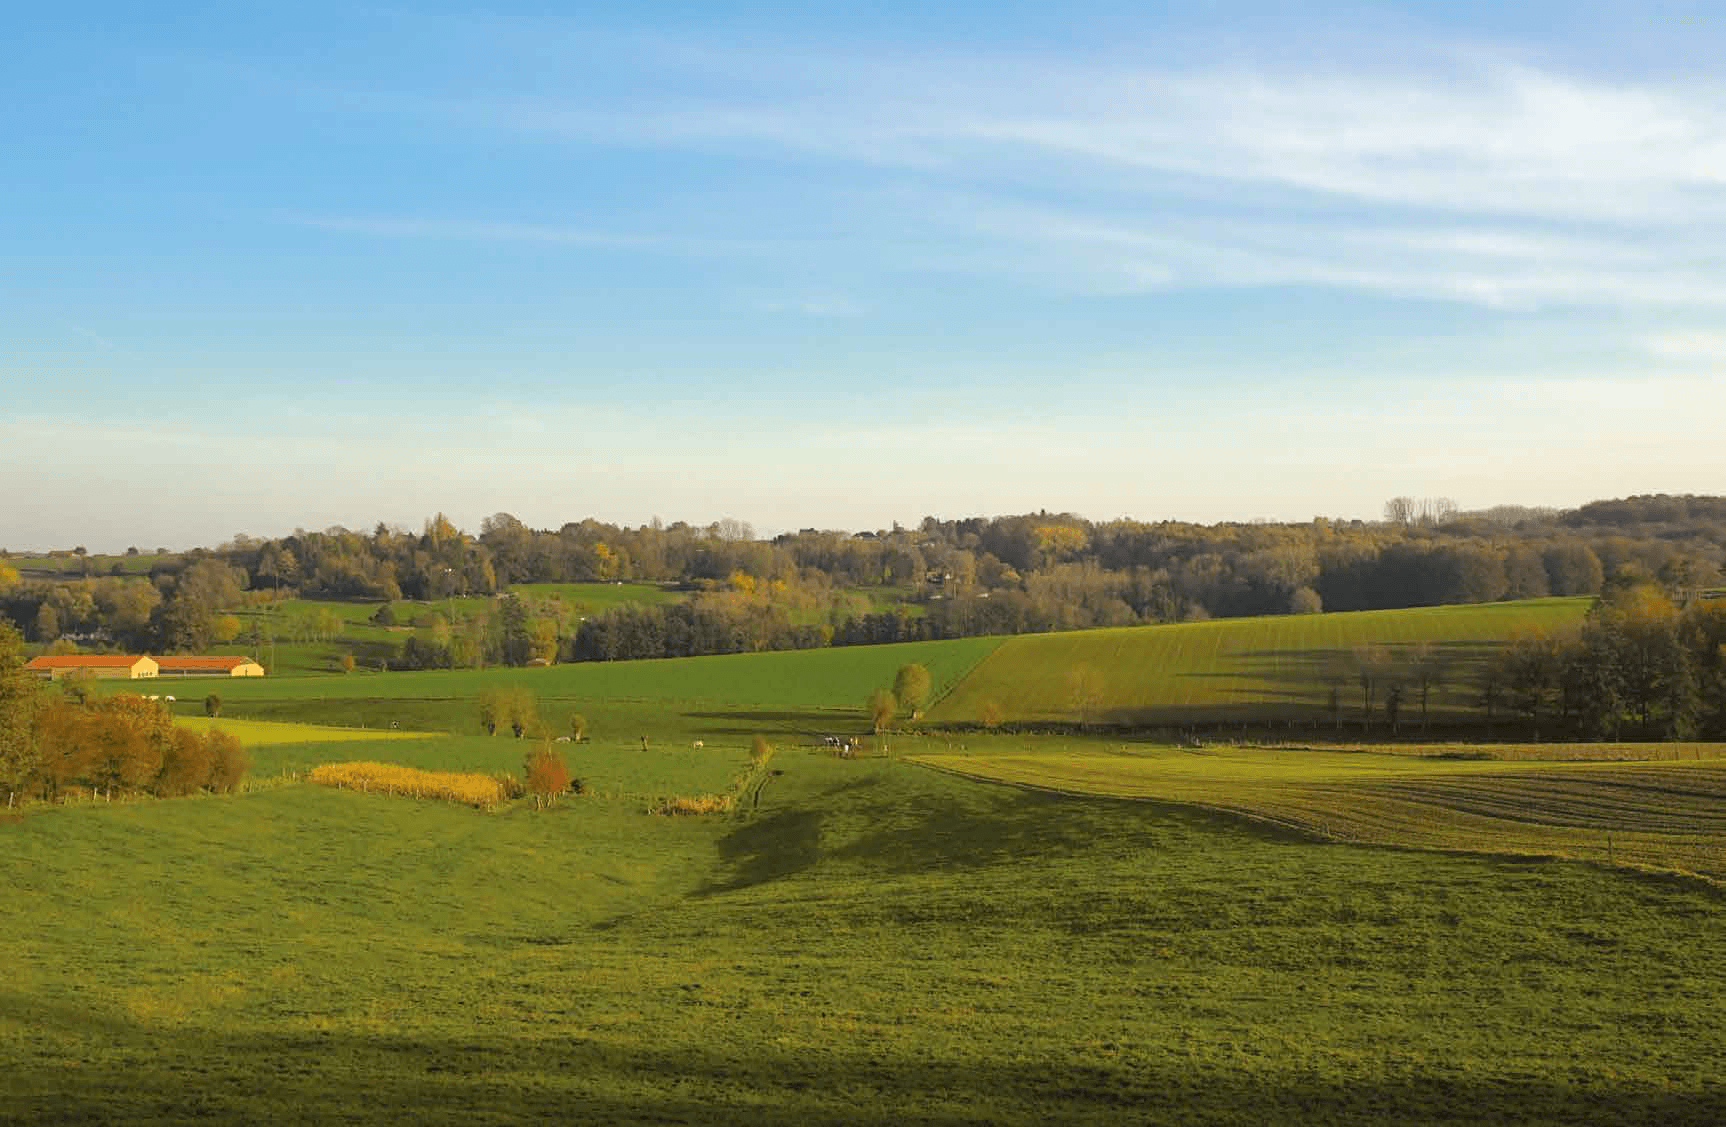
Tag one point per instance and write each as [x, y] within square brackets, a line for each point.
[875, 943]
[1249, 670]
[1666, 810]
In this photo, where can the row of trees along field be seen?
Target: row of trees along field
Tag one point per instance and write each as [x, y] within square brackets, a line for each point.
[949, 578]
[122, 744]
[1638, 666]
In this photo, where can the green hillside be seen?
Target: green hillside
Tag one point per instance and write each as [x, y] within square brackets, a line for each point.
[794, 693]
[876, 943]
[1252, 670]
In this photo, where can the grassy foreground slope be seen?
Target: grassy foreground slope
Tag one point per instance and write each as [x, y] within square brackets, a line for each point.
[878, 943]
[1666, 810]
[1251, 670]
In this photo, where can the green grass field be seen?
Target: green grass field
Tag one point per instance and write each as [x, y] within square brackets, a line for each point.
[1664, 809]
[1130, 934]
[1249, 670]
[875, 943]
[788, 694]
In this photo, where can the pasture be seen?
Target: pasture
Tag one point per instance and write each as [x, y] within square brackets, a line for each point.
[875, 943]
[790, 693]
[1260, 671]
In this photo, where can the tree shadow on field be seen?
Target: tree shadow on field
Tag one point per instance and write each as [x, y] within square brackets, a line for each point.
[1275, 688]
[922, 832]
[769, 848]
[801, 722]
[522, 1074]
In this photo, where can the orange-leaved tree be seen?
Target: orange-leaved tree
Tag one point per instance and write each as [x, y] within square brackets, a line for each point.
[547, 776]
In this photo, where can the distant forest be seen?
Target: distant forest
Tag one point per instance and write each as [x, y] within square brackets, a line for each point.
[940, 579]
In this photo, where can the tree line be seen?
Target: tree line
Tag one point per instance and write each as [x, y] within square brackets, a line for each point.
[950, 578]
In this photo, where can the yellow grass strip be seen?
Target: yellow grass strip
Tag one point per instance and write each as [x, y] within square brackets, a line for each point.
[264, 733]
[389, 778]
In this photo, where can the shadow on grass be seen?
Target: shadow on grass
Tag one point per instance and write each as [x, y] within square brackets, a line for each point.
[769, 848]
[329, 1077]
[804, 722]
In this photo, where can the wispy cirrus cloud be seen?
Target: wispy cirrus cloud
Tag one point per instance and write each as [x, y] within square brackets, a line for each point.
[1468, 176]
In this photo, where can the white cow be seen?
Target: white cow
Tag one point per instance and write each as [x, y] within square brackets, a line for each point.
[700, 744]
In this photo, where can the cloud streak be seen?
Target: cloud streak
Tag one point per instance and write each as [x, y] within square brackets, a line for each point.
[1470, 177]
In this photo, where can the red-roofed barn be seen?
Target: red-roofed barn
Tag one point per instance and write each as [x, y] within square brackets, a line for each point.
[107, 666]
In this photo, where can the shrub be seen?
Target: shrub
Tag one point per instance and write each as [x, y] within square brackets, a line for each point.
[547, 776]
[694, 804]
[228, 762]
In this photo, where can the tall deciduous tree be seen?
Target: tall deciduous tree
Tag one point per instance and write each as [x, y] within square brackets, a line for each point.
[882, 707]
[911, 688]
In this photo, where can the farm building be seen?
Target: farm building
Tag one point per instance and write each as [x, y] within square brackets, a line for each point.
[106, 666]
[209, 667]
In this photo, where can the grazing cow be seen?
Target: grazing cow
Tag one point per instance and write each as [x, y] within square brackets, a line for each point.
[699, 744]
[562, 739]
[152, 696]
[168, 698]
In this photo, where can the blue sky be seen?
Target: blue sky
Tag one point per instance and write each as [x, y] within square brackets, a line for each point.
[278, 265]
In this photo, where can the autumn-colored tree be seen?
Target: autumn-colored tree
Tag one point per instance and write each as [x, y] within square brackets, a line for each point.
[881, 709]
[493, 709]
[18, 751]
[186, 764]
[225, 628]
[131, 735]
[989, 714]
[522, 712]
[547, 775]
[213, 704]
[760, 751]
[577, 727]
[911, 688]
[228, 762]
